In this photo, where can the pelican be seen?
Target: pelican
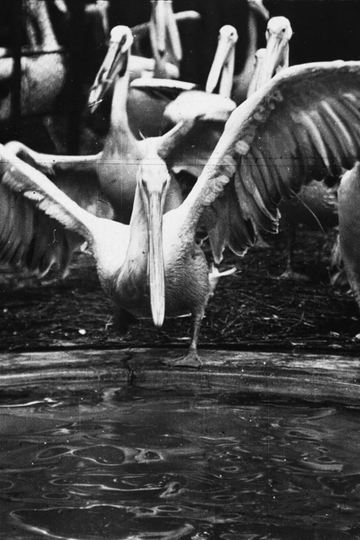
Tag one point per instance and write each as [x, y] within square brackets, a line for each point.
[316, 204]
[48, 64]
[316, 207]
[301, 125]
[117, 164]
[349, 227]
[152, 79]
[221, 73]
[278, 35]
[164, 37]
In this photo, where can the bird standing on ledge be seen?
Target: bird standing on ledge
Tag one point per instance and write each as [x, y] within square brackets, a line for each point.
[289, 132]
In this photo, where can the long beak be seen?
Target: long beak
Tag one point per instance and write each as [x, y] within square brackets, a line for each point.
[158, 28]
[164, 37]
[222, 68]
[103, 79]
[255, 79]
[277, 53]
[114, 62]
[174, 45]
[156, 260]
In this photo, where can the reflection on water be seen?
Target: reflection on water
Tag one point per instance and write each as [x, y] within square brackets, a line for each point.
[140, 465]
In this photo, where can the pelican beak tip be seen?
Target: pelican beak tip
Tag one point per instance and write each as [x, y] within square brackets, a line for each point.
[158, 318]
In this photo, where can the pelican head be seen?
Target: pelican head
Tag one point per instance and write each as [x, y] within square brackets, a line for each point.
[115, 63]
[222, 68]
[152, 182]
[278, 35]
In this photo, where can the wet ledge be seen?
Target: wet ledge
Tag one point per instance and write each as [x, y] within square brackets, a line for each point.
[310, 377]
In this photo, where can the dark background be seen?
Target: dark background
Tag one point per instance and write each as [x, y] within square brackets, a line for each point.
[323, 30]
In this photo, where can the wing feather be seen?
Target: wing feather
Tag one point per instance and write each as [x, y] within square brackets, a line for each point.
[349, 131]
[75, 175]
[30, 239]
[333, 134]
[260, 173]
[35, 235]
[227, 226]
[302, 125]
[33, 240]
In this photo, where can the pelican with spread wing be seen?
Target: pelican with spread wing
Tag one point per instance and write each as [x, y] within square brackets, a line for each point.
[316, 204]
[302, 125]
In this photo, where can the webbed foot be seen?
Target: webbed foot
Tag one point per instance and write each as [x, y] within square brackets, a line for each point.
[191, 359]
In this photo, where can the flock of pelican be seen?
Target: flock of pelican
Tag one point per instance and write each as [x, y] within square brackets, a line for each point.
[297, 125]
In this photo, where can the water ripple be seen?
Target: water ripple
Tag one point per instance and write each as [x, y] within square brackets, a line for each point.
[153, 466]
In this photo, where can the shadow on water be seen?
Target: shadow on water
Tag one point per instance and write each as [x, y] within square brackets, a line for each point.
[141, 464]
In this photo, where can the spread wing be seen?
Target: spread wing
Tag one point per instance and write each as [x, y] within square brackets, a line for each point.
[76, 176]
[29, 237]
[302, 125]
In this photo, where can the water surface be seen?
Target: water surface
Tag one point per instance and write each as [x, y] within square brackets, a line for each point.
[136, 464]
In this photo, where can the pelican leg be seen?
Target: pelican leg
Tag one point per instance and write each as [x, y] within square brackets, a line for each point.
[191, 359]
[290, 272]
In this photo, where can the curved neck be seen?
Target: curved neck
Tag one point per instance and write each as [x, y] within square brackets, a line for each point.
[120, 134]
[118, 115]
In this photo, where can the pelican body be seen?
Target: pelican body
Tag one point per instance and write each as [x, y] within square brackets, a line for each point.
[349, 227]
